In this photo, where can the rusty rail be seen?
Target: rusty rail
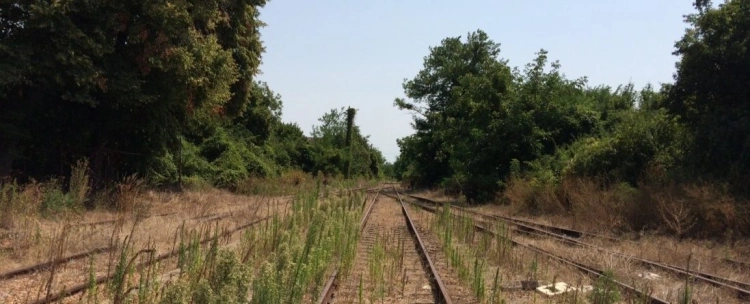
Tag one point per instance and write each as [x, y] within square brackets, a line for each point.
[741, 289]
[441, 292]
[564, 231]
[33, 268]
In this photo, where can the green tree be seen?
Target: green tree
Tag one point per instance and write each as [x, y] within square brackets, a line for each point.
[330, 151]
[475, 116]
[118, 81]
[711, 88]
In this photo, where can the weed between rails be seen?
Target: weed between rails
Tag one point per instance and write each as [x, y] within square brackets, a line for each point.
[387, 274]
[308, 241]
[469, 252]
[282, 260]
[486, 260]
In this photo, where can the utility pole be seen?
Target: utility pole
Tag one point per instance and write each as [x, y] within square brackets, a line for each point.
[349, 125]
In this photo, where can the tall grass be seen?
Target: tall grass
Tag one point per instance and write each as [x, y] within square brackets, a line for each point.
[284, 259]
[311, 239]
[472, 255]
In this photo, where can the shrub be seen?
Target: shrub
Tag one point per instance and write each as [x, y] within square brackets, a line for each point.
[605, 290]
[526, 195]
[54, 200]
[596, 205]
[643, 140]
[79, 186]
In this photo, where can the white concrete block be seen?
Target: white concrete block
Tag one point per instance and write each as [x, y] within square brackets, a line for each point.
[555, 289]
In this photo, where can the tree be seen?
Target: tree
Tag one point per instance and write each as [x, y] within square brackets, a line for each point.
[475, 116]
[432, 102]
[117, 81]
[331, 149]
[711, 88]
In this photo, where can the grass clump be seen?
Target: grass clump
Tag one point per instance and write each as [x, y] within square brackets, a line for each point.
[311, 238]
[605, 290]
[223, 279]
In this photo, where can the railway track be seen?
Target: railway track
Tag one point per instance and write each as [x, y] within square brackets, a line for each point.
[571, 237]
[593, 272]
[418, 278]
[60, 261]
[741, 289]
[31, 269]
[572, 233]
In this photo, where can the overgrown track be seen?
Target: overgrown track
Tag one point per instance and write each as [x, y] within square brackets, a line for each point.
[441, 292]
[591, 271]
[71, 291]
[57, 262]
[333, 282]
[740, 289]
[556, 231]
[419, 254]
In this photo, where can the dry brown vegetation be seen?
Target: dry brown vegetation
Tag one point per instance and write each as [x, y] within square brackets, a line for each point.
[129, 211]
[687, 210]
[130, 223]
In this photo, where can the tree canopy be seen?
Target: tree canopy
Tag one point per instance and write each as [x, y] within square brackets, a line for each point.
[478, 122]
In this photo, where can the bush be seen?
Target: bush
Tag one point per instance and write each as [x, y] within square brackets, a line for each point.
[17, 200]
[643, 140]
[533, 197]
[698, 209]
[54, 200]
[596, 205]
[79, 185]
[605, 290]
[691, 209]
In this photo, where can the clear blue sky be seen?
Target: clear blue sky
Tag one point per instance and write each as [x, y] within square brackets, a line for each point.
[327, 54]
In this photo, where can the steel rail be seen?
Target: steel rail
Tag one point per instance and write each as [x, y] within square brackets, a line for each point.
[441, 292]
[741, 289]
[567, 231]
[37, 267]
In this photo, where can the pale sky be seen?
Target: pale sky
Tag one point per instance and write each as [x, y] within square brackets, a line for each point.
[326, 54]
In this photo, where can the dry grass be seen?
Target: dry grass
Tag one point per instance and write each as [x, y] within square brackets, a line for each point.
[145, 228]
[666, 287]
[687, 210]
[511, 264]
[149, 218]
[671, 225]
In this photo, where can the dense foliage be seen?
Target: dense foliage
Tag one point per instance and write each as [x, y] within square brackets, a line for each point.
[479, 122]
[163, 89]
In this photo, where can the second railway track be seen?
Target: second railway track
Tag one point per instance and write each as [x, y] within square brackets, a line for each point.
[570, 237]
